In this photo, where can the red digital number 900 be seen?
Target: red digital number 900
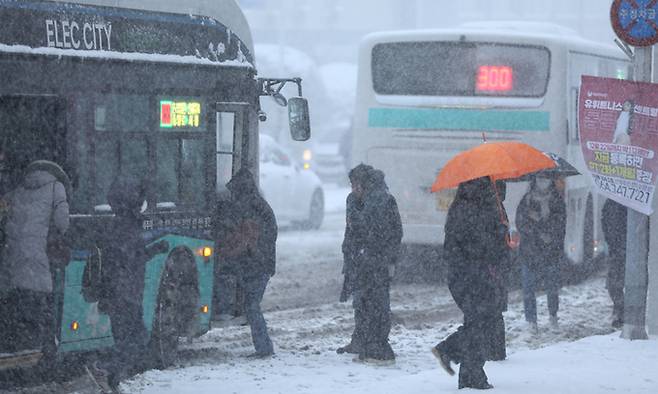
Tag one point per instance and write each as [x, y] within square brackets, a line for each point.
[494, 78]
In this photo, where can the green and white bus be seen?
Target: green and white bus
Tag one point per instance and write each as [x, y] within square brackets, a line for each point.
[163, 90]
[424, 96]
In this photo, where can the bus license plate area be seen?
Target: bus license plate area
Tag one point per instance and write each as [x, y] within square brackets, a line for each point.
[444, 199]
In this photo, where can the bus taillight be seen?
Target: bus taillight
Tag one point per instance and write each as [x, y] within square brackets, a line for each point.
[75, 326]
[204, 309]
[205, 252]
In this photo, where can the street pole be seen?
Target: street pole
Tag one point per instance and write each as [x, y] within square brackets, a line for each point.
[652, 301]
[637, 239]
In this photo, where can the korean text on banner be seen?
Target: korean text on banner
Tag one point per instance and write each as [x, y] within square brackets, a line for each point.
[618, 122]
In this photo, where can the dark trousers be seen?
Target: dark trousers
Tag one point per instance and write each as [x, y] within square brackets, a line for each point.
[496, 349]
[615, 282]
[27, 321]
[468, 347]
[532, 274]
[254, 288]
[358, 334]
[130, 355]
[373, 312]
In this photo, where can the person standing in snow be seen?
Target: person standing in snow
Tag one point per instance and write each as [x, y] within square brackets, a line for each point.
[124, 254]
[352, 244]
[613, 222]
[541, 220]
[255, 253]
[378, 224]
[36, 208]
[475, 247]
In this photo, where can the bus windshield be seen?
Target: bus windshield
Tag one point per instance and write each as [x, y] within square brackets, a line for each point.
[123, 136]
[446, 68]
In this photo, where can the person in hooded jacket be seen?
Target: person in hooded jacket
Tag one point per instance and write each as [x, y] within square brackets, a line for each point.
[475, 249]
[37, 207]
[379, 226]
[353, 242]
[541, 219]
[256, 255]
[613, 222]
[124, 254]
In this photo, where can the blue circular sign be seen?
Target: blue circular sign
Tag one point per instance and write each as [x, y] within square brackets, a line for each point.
[635, 21]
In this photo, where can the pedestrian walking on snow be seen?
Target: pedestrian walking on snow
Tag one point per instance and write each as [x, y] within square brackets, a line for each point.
[255, 255]
[475, 247]
[541, 220]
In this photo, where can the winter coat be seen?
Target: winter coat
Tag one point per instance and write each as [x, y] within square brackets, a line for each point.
[124, 251]
[476, 250]
[352, 244]
[613, 222]
[378, 224]
[124, 257]
[542, 239]
[257, 223]
[39, 201]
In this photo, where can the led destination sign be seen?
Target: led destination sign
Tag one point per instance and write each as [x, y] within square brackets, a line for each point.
[178, 114]
[494, 79]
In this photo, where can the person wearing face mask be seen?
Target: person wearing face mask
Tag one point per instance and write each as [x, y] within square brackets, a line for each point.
[541, 221]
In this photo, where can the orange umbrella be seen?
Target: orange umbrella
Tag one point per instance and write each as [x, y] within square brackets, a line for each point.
[497, 160]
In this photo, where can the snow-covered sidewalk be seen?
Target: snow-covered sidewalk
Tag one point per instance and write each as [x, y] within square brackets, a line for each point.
[554, 361]
[592, 365]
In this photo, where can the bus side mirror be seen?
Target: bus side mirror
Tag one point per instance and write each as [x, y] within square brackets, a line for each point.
[298, 117]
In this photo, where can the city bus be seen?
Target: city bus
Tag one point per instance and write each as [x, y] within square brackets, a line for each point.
[160, 90]
[425, 95]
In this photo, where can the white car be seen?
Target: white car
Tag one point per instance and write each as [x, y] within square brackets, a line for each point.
[294, 193]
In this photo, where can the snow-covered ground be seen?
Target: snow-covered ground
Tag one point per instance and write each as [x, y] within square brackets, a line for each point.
[306, 338]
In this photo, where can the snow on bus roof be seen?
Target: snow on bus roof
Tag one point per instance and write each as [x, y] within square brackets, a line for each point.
[524, 27]
[130, 56]
[227, 12]
[521, 31]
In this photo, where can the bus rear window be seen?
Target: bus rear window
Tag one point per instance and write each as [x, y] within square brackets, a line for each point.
[431, 68]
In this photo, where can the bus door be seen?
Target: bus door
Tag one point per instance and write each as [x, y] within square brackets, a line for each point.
[232, 135]
[33, 128]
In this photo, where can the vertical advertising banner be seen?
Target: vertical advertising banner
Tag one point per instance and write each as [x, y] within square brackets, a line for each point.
[618, 123]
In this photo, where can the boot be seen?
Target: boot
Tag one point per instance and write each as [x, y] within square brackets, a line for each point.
[444, 360]
[473, 378]
[553, 321]
[349, 348]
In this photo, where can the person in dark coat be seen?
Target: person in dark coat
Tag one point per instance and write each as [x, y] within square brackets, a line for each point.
[255, 250]
[353, 242]
[380, 227]
[613, 221]
[541, 220]
[497, 349]
[475, 247]
[228, 296]
[125, 253]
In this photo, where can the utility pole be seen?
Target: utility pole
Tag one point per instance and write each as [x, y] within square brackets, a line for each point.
[637, 239]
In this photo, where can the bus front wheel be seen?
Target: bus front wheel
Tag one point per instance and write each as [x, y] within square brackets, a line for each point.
[175, 311]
